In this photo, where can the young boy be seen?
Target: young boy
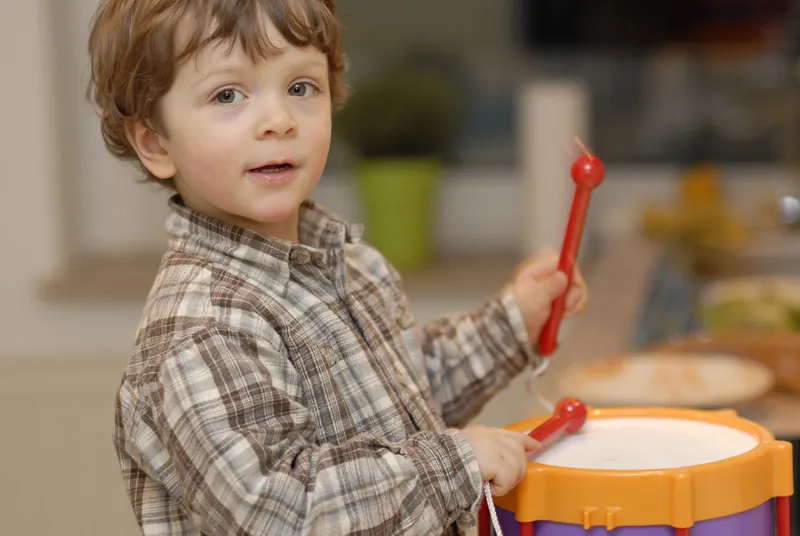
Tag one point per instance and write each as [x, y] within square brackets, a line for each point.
[279, 385]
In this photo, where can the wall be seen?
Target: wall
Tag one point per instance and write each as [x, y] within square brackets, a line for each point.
[60, 474]
[385, 27]
[31, 212]
[109, 210]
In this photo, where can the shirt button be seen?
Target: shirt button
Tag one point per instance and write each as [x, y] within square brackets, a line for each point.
[329, 355]
[405, 320]
[319, 259]
[300, 256]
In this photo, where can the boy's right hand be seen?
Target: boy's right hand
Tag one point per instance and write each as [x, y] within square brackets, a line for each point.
[501, 454]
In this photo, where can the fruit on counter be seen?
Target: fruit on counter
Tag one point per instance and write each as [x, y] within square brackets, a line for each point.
[660, 221]
[747, 304]
[700, 218]
[703, 225]
[765, 315]
[700, 186]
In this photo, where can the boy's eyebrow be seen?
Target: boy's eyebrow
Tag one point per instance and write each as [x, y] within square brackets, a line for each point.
[312, 62]
[227, 69]
[234, 68]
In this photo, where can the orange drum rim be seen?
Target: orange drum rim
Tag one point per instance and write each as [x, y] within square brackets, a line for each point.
[676, 497]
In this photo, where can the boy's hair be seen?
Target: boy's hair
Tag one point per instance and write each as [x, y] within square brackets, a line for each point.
[133, 47]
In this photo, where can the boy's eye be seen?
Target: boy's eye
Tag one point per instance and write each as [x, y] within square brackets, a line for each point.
[228, 96]
[300, 89]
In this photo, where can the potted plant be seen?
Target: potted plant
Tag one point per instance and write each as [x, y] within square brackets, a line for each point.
[400, 126]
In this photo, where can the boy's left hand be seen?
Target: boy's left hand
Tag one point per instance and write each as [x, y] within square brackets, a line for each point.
[537, 282]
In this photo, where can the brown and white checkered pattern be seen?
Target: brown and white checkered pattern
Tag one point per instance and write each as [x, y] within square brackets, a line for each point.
[282, 389]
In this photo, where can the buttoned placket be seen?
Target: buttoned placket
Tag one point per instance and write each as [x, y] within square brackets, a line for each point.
[397, 378]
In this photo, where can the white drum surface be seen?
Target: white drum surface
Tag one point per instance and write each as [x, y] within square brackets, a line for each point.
[641, 443]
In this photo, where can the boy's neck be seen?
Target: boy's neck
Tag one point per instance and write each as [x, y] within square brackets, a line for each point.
[286, 229]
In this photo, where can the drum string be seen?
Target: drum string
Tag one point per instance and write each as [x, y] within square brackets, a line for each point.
[535, 375]
[487, 492]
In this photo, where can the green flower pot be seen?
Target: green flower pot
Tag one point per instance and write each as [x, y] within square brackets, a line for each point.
[398, 198]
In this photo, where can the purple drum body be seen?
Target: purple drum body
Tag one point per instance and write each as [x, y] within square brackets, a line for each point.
[755, 522]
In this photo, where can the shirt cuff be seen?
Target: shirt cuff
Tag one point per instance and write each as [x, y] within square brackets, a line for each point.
[517, 323]
[446, 462]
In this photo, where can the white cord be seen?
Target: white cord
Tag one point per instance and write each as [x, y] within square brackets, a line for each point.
[487, 493]
[534, 376]
[541, 369]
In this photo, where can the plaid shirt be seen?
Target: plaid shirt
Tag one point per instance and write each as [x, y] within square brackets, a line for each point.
[283, 389]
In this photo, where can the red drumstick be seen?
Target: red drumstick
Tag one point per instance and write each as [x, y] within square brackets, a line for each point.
[569, 416]
[587, 172]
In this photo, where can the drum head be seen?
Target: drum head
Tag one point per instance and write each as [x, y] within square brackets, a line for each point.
[642, 443]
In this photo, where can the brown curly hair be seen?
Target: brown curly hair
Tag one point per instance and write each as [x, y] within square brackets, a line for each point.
[134, 51]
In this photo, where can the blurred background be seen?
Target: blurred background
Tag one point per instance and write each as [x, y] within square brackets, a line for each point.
[455, 151]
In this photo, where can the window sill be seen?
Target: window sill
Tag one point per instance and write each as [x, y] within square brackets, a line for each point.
[127, 279]
[123, 279]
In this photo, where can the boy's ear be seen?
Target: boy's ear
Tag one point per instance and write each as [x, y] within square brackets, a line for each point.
[152, 150]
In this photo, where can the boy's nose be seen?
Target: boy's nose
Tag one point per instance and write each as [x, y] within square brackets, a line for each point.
[276, 121]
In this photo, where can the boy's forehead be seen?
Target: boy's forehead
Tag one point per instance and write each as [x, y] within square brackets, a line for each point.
[204, 43]
[225, 49]
[220, 56]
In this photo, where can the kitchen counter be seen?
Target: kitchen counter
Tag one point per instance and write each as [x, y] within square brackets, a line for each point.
[618, 282]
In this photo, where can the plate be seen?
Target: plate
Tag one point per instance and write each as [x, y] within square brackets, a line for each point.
[691, 380]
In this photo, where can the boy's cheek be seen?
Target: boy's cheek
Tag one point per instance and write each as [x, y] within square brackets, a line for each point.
[203, 152]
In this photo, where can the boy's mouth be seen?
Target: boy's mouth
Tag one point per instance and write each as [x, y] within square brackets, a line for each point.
[273, 168]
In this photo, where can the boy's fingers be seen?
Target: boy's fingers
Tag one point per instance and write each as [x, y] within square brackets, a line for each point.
[573, 299]
[577, 276]
[546, 254]
[554, 286]
[501, 482]
[540, 264]
[531, 444]
[528, 443]
[539, 268]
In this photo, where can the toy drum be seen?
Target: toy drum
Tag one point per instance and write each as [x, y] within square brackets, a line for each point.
[653, 472]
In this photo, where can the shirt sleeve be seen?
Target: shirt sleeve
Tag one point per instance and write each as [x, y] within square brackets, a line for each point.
[231, 420]
[471, 357]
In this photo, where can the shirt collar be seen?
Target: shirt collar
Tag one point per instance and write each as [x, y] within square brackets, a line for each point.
[318, 230]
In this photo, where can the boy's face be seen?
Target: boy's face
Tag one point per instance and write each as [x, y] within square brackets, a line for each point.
[246, 143]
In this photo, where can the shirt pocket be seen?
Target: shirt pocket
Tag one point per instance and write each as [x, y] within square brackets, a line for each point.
[324, 375]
